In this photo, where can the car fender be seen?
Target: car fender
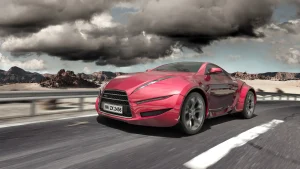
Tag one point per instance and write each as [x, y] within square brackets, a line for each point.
[242, 96]
[193, 86]
[97, 104]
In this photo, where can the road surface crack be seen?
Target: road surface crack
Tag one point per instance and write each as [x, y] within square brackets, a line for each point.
[260, 148]
[291, 116]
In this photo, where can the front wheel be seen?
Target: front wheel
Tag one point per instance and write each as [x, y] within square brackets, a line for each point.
[192, 114]
[100, 119]
[249, 106]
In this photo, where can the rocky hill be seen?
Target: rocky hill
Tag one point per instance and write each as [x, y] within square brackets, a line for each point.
[96, 77]
[67, 79]
[81, 80]
[18, 75]
[278, 76]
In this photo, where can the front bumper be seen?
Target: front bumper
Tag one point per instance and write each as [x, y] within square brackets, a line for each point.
[158, 113]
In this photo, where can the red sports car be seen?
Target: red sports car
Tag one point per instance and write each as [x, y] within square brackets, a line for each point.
[181, 93]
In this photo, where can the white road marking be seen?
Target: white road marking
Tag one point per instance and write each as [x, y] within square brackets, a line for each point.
[78, 123]
[216, 153]
[43, 121]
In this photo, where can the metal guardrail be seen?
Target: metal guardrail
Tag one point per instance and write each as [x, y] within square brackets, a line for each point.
[30, 95]
[262, 96]
[33, 96]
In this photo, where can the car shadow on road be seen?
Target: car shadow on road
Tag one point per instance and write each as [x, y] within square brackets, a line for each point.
[209, 123]
[169, 132]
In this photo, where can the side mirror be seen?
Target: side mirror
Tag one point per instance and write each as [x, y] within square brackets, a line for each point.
[215, 70]
[148, 70]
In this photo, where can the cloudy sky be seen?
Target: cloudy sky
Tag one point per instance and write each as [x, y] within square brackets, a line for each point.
[129, 35]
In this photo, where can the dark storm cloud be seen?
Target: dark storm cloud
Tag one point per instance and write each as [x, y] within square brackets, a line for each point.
[120, 52]
[192, 23]
[20, 17]
[103, 45]
[199, 22]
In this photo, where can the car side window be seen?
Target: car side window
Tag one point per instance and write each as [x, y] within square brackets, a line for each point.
[224, 74]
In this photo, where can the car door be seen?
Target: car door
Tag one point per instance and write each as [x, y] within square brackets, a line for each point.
[215, 90]
[229, 88]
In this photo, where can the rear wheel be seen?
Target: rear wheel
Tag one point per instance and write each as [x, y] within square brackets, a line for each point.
[192, 115]
[249, 106]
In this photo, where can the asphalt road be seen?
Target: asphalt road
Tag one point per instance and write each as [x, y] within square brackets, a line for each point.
[84, 143]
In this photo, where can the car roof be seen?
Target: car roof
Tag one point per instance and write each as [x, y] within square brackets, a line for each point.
[184, 62]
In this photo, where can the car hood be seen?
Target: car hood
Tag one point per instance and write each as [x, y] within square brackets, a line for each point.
[130, 82]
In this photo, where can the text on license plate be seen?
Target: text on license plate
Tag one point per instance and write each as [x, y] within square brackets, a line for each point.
[113, 108]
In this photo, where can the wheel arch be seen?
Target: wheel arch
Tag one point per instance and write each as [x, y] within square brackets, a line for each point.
[245, 88]
[252, 90]
[201, 92]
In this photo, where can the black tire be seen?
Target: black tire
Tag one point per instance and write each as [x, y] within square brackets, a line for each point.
[249, 106]
[100, 119]
[192, 118]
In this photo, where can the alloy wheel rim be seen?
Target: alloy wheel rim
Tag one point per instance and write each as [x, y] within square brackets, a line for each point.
[250, 104]
[193, 113]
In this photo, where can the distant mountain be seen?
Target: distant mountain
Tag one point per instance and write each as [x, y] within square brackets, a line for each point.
[278, 76]
[18, 75]
[105, 75]
[69, 79]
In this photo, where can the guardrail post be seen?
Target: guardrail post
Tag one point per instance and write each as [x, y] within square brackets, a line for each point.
[81, 104]
[32, 108]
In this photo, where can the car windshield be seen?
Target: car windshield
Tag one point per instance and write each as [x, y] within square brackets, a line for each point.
[180, 67]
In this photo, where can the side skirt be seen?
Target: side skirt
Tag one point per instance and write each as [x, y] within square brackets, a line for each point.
[213, 114]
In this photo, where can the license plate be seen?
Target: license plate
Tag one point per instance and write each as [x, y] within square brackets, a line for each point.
[113, 108]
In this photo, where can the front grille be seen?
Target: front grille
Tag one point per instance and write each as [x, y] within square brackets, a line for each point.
[118, 98]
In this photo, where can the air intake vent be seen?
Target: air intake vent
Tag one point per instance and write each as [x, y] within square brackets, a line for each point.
[154, 113]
